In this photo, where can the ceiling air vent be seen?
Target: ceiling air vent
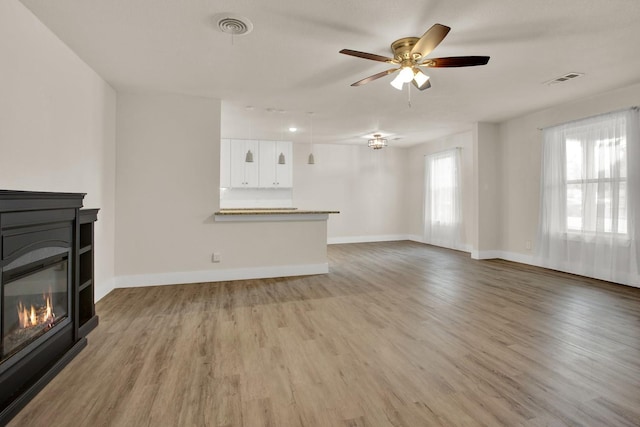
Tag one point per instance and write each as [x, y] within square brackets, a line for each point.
[233, 24]
[565, 78]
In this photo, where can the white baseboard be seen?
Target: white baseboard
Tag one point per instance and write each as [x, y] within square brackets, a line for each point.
[507, 256]
[141, 280]
[368, 239]
[475, 254]
[103, 289]
[182, 277]
[520, 258]
[532, 260]
[419, 239]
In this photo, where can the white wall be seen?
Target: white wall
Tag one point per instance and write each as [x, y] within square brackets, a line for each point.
[521, 145]
[487, 166]
[367, 186]
[57, 125]
[414, 203]
[168, 190]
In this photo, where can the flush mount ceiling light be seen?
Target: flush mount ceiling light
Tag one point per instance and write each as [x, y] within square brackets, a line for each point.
[232, 23]
[377, 142]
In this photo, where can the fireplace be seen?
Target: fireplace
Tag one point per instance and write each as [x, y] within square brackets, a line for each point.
[45, 311]
[36, 301]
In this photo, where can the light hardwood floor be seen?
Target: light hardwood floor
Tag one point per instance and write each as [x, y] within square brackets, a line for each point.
[397, 334]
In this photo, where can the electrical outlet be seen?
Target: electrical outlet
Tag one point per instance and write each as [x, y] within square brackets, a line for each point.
[527, 245]
[215, 257]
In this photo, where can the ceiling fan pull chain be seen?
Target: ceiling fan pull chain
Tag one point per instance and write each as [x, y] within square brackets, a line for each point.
[409, 95]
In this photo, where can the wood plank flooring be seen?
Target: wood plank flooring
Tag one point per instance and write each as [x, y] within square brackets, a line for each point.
[397, 334]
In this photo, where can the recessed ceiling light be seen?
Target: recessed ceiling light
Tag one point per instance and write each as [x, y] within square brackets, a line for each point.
[293, 129]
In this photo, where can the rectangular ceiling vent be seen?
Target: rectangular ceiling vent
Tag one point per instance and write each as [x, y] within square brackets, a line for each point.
[565, 78]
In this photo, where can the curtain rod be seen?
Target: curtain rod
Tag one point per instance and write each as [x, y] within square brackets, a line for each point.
[633, 107]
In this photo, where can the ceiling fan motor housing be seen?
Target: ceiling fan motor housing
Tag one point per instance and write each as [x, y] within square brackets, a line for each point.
[401, 49]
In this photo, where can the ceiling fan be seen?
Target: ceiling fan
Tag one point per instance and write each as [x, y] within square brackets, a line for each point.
[410, 54]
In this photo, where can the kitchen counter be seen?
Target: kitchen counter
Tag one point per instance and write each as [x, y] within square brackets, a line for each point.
[272, 214]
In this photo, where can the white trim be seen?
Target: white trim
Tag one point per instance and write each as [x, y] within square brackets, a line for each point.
[532, 260]
[368, 239]
[476, 254]
[271, 217]
[520, 258]
[465, 247]
[103, 290]
[182, 277]
[390, 238]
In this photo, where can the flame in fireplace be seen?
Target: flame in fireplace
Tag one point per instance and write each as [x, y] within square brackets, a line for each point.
[36, 315]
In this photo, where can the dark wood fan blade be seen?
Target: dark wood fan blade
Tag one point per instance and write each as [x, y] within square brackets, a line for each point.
[366, 55]
[426, 86]
[455, 61]
[374, 77]
[430, 39]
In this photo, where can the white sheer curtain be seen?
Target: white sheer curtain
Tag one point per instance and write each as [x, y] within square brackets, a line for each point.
[442, 209]
[590, 191]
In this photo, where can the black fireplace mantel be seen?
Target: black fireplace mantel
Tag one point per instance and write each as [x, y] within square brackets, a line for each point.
[15, 200]
[32, 225]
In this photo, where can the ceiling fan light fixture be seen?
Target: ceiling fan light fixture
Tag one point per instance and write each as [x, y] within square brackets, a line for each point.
[397, 82]
[420, 78]
[406, 74]
[410, 53]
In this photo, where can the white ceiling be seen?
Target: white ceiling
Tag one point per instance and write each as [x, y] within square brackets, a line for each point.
[290, 60]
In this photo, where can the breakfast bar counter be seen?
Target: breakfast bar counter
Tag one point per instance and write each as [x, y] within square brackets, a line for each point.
[272, 214]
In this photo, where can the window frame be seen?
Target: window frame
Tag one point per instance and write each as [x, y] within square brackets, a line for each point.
[613, 181]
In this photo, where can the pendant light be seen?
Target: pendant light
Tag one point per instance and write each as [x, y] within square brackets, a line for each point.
[281, 158]
[249, 157]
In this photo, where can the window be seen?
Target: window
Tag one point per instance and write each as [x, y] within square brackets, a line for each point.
[442, 209]
[590, 204]
[596, 184]
[442, 180]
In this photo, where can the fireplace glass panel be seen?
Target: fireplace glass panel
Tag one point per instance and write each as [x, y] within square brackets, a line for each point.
[33, 304]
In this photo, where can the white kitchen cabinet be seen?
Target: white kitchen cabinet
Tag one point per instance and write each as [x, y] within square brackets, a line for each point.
[225, 163]
[244, 174]
[273, 173]
[264, 172]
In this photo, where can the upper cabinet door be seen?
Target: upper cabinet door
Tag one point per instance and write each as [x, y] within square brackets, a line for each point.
[244, 174]
[251, 168]
[225, 163]
[268, 164]
[276, 164]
